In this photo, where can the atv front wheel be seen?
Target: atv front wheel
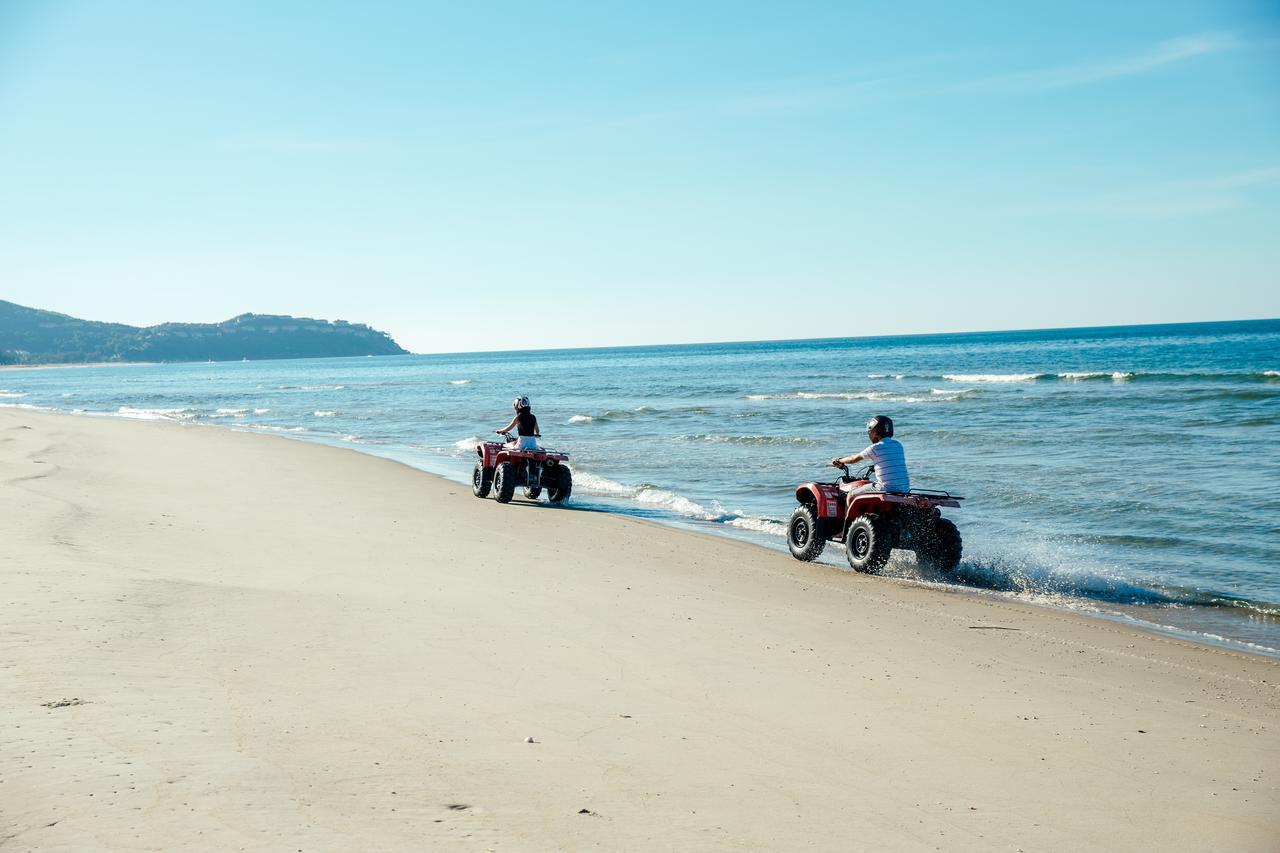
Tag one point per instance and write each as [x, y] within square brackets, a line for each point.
[481, 480]
[943, 548]
[559, 483]
[868, 543]
[504, 482]
[804, 537]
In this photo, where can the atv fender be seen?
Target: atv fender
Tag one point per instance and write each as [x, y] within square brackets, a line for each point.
[823, 498]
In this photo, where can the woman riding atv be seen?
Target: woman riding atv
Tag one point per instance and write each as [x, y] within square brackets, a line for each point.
[524, 423]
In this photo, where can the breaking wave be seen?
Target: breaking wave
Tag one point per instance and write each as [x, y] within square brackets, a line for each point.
[650, 495]
[637, 412]
[274, 428]
[155, 414]
[1045, 582]
[992, 377]
[748, 439]
[936, 396]
[1118, 376]
[1114, 376]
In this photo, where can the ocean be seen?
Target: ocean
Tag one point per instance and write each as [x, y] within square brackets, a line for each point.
[1131, 473]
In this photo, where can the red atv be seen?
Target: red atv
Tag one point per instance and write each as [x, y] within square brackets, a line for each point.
[872, 523]
[502, 467]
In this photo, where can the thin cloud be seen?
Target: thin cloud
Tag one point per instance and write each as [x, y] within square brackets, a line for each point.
[835, 90]
[1086, 74]
[843, 90]
[1174, 199]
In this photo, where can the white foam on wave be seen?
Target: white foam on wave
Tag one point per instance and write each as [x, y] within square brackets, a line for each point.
[992, 377]
[1271, 373]
[936, 395]
[459, 381]
[651, 495]
[467, 444]
[271, 428]
[155, 414]
[14, 395]
[260, 411]
[323, 414]
[318, 387]
[746, 439]
[1114, 376]
[759, 524]
[581, 419]
[231, 412]
[30, 406]
[825, 395]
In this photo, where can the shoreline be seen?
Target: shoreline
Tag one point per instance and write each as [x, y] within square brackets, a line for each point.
[1089, 608]
[219, 640]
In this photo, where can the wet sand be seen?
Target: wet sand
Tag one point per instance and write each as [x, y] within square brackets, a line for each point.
[223, 641]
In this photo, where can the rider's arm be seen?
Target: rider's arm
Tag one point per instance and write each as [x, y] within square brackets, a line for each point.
[847, 460]
[508, 428]
[537, 432]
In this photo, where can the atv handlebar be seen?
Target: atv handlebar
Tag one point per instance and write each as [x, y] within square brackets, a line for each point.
[865, 475]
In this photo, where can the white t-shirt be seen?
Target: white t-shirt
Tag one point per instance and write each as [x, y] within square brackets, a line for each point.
[891, 464]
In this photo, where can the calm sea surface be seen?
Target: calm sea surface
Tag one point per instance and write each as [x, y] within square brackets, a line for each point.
[1132, 472]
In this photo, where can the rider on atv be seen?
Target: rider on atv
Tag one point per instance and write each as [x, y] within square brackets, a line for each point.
[886, 454]
[525, 423]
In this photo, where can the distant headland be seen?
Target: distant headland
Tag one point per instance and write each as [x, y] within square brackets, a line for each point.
[32, 336]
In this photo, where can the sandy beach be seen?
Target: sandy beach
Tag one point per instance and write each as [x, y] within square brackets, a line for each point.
[224, 641]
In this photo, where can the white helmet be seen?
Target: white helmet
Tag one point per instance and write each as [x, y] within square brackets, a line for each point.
[521, 404]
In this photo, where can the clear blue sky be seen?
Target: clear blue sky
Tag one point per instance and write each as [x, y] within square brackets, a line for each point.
[509, 175]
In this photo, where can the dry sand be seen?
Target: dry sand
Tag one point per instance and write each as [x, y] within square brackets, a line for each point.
[223, 641]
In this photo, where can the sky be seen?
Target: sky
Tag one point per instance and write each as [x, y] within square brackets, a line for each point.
[528, 175]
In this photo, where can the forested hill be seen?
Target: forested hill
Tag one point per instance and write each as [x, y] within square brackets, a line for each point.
[32, 336]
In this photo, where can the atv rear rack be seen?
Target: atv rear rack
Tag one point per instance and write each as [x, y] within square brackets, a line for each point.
[929, 493]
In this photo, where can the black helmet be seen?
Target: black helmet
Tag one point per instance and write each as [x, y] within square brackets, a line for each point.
[883, 423]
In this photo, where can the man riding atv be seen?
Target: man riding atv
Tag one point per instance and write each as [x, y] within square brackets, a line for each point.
[886, 454]
[871, 517]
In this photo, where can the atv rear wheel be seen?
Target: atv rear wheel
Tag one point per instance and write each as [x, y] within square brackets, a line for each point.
[504, 482]
[481, 480]
[867, 543]
[559, 483]
[943, 547]
[804, 536]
